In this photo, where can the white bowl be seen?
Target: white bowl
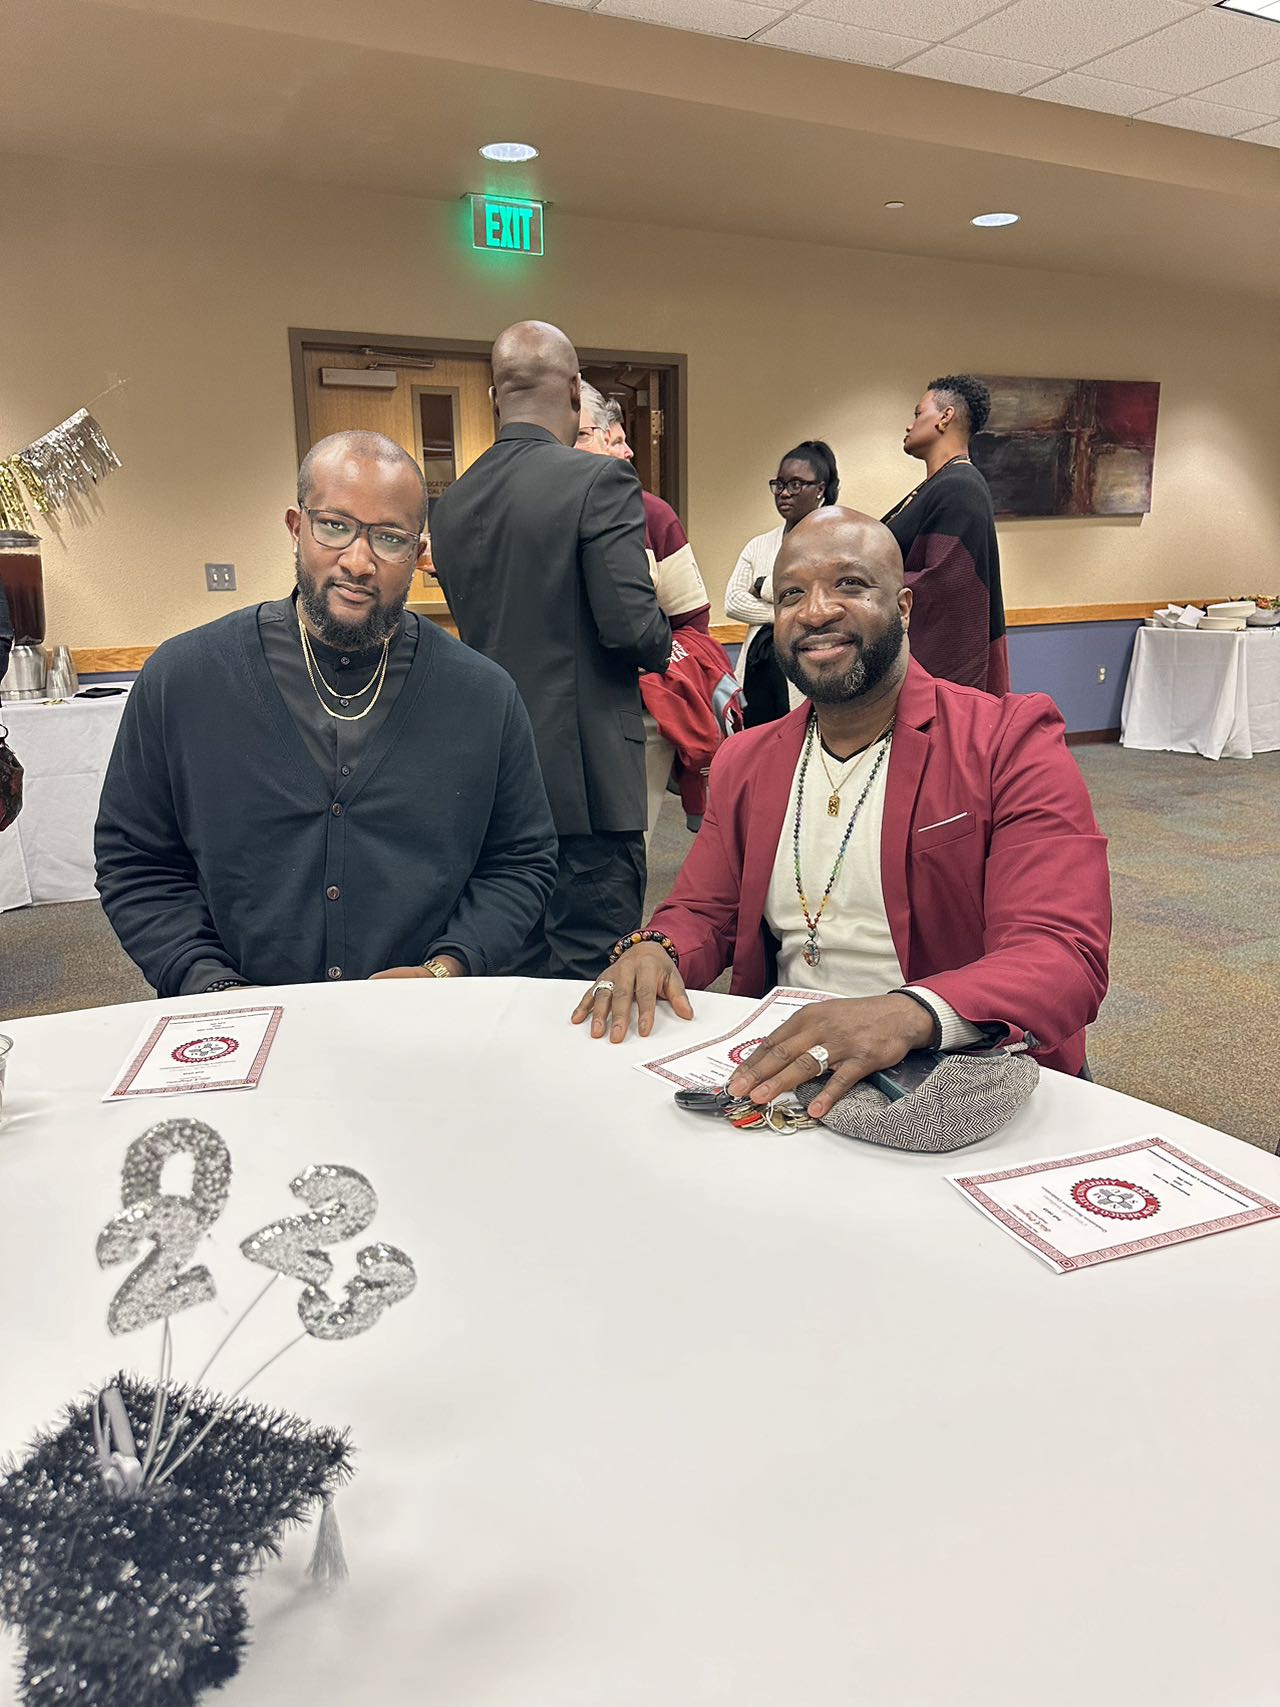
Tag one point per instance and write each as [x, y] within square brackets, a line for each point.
[1262, 619]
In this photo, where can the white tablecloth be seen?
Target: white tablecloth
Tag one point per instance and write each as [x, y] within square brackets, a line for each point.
[48, 854]
[1194, 691]
[679, 1414]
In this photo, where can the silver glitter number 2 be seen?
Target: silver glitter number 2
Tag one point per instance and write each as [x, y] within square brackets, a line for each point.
[342, 1205]
[174, 1224]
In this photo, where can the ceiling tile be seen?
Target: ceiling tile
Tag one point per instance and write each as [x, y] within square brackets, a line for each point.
[841, 41]
[980, 70]
[707, 17]
[1206, 48]
[1258, 89]
[1190, 114]
[931, 20]
[1073, 90]
[1268, 135]
[1065, 32]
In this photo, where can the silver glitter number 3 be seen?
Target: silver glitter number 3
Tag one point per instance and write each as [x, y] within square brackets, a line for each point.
[342, 1205]
[174, 1224]
[385, 1276]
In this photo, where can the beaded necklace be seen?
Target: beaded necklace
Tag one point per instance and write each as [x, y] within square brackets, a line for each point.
[811, 953]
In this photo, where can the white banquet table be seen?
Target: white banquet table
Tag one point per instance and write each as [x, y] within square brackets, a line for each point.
[677, 1413]
[1201, 691]
[47, 854]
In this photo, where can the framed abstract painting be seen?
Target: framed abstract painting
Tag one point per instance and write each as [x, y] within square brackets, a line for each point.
[1069, 447]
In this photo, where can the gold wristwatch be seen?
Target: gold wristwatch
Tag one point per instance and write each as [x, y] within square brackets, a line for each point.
[436, 968]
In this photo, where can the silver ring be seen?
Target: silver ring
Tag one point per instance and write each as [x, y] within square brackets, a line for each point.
[601, 984]
[820, 1055]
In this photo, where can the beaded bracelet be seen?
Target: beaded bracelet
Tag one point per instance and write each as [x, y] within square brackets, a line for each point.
[625, 942]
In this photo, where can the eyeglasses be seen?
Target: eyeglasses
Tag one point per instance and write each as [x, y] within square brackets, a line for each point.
[794, 487]
[590, 432]
[336, 533]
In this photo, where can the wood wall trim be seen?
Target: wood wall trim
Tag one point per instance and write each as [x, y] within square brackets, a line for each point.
[109, 660]
[1038, 616]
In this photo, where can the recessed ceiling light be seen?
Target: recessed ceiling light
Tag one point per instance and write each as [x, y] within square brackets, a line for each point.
[895, 205]
[995, 219]
[509, 151]
[1255, 8]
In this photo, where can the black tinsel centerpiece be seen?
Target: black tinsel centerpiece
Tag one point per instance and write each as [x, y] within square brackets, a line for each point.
[137, 1601]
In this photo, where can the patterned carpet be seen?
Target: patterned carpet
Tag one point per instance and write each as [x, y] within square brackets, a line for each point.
[1193, 1014]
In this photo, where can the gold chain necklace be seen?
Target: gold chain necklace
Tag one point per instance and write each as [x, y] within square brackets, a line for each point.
[380, 675]
[833, 799]
[811, 953]
[340, 693]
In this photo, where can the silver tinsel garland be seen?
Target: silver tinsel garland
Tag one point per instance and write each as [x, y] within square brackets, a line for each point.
[45, 475]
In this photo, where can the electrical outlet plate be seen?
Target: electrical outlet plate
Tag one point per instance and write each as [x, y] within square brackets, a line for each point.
[220, 577]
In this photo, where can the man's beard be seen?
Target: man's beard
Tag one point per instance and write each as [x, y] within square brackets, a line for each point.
[371, 630]
[871, 664]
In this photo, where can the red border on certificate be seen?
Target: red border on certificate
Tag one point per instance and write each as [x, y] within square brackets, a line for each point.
[659, 1067]
[1262, 1208]
[122, 1087]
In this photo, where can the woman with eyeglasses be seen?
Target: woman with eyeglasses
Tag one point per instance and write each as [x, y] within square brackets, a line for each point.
[807, 478]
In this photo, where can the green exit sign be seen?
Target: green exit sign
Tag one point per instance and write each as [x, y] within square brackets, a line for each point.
[498, 222]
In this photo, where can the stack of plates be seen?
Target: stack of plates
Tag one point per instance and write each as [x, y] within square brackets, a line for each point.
[1231, 615]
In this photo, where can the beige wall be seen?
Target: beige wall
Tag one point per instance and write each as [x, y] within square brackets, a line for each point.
[186, 288]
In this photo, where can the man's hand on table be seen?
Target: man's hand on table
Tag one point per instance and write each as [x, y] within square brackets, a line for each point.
[861, 1035]
[636, 979]
[450, 962]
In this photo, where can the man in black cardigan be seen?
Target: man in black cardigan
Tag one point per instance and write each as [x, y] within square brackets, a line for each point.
[541, 555]
[326, 786]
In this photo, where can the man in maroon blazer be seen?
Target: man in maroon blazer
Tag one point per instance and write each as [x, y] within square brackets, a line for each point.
[966, 889]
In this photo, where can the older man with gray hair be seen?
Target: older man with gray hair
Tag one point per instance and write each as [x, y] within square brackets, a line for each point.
[681, 592]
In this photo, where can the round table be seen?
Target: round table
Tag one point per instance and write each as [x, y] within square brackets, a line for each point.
[677, 1413]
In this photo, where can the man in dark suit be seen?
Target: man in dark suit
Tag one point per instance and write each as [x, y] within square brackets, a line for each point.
[541, 555]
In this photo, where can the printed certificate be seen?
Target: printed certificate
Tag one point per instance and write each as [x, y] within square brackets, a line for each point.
[710, 1065]
[1073, 1211]
[184, 1053]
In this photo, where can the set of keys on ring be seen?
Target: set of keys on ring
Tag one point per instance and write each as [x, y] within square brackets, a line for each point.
[780, 1115]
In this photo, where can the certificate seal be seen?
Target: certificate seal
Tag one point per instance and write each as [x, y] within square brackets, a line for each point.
[1115, 1199]
[201, 1049]
[740, 1051]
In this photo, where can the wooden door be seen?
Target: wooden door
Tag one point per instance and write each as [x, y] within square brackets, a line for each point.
[438, 410]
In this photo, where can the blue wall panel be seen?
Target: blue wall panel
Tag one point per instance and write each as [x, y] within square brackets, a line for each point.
[1063, 659]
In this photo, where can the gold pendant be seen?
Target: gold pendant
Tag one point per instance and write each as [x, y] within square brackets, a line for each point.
[833, 806]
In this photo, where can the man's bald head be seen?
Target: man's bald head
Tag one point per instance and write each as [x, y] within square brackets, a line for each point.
[535, 378]
[841, 609]
[835, 532]
[359, 447]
